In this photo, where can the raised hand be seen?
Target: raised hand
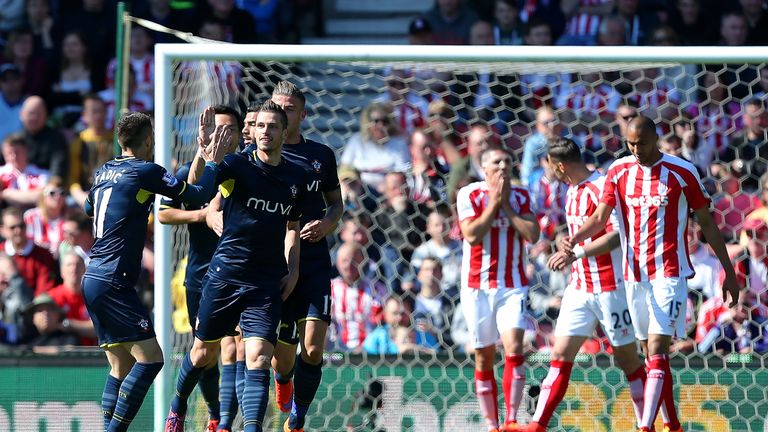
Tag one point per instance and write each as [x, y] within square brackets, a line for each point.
[221, 140]
[206, 127]
[559, 260]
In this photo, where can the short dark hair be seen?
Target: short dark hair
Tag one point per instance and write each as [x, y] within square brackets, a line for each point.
[228, 110]
[287, 88]
[534, 22]
[16, 138]
[82, 220]
[13, 211]
[755, 102]
[564, 150]
[271, 107]
[93, 97]
[133, 129]
[253, 106]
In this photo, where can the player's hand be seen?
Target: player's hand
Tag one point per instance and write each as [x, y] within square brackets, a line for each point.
[206, 127]
[287, 284]
[221, 140]
[559, 260]
[215, 220]
[314, 231]
[495, 188]
[731, 287]
[566, 245]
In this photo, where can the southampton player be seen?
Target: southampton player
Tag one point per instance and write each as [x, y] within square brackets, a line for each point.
[120, 202]
[653, 194]
[496, 220]
[202, 243]
[306, 313]
[255, 265]
[595, 293]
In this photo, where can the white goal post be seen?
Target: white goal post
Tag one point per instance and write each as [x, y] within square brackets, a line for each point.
[523, 59]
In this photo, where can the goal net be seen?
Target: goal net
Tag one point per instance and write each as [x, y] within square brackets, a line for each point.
[708, 106]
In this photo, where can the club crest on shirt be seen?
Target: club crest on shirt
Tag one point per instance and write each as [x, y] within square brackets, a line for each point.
[144, 324]
[316, 165]
[294, 191]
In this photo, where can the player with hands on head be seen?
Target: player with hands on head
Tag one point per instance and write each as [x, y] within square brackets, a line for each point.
[255, 265]
[496, 220]
[120, 202]
[653, 194]
[595, 293]
[202, 243]
[307, 313]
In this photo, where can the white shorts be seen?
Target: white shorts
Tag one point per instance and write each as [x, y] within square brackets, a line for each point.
[580, 312]
[658, 307]
[491, 312]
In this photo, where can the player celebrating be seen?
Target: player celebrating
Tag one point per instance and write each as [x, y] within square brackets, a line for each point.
[653, 193]
[596, 290]
[202, 243]
[496, 219]
[120, 202]
[306, 313]
[255, 265]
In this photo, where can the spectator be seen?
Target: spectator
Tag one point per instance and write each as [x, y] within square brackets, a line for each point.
[733, 29]
[11, 99]
[507, 27]
[138, 101]
[705, 283]
[427, 176]
[382, 339]
[757, 20]
[451, 21]
[90, 149]
[447, 132]
[358, 202]
[20, 181]
[761, 89]
[35, 264]
[382, 263]
[357, 301]
[538, 33]
[20, 50]
[44, 28]
[548, 126]
[589, 95]
[751, 142]
[14, 297]
[239, 25]
[420, 32]
[548, 201]
[761, 213]
[409, 108]
[45, 222]
[653, 96]
[733, 205]
[680, 77]
[752, 264]
[692, 24]
[693, 147]
[726, 330]
[75, 78]
[639, 24]
[612, 31]
[583, 20]
[161, 12]
[442, 247]
[468, 169]
[377, 148]
[48, 330]
[432, 310]
[96, 19]
[269, 16]
[715, 114]
[69, 297]
[13, 16]
[47, 146]
[544, 10]
[142, 61]
[78, 235]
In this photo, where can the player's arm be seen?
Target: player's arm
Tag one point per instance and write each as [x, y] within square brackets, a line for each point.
[606, 243]
[20, 197]
[88, 205]
[292, 253]
[205, 129]
[526, 224]
[715, 240]
[592, 226]
[316, 230]
[198, 194]
[169, 215]
[473, 230]
[214, 217]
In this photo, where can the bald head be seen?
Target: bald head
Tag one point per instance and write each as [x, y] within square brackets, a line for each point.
[642, 124]
[33, 114]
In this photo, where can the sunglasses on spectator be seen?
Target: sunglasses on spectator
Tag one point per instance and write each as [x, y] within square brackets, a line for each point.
[17, 226]
[54, 192]
[627, 117]
[382, 120]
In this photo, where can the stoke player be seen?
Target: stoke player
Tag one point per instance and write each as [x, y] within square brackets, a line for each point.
[595, 293]
[202, 244]
[496, 220]
[254, 267]
[307, 312]
[120, 202]
[653, 194]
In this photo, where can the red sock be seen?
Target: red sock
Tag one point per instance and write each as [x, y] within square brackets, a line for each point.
[636, 382]
[553, 390]
[668, 400]
[487, 396]
[654, 388]
[513, 384]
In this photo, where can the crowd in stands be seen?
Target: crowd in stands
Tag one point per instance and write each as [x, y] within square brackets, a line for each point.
[397, 253]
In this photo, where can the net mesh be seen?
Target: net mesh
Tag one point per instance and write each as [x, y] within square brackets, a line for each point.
[711, 114]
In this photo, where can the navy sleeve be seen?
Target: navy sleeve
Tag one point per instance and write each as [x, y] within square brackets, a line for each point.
[88, 206]
[227, 168]
[175, 202]
[331, 175]
[156, 179]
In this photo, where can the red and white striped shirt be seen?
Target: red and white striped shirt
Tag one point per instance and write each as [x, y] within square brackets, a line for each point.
[584, 24]
[652, 205]
[48, 234]
[601, 273]
[355, 310]
[601, 100]
[32, 178]
[499, 260]
[716, 123]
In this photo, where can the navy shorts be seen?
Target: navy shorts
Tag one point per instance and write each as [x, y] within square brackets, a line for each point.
[193, 305]
[223, 305]
[311, 299]
[117, 312]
